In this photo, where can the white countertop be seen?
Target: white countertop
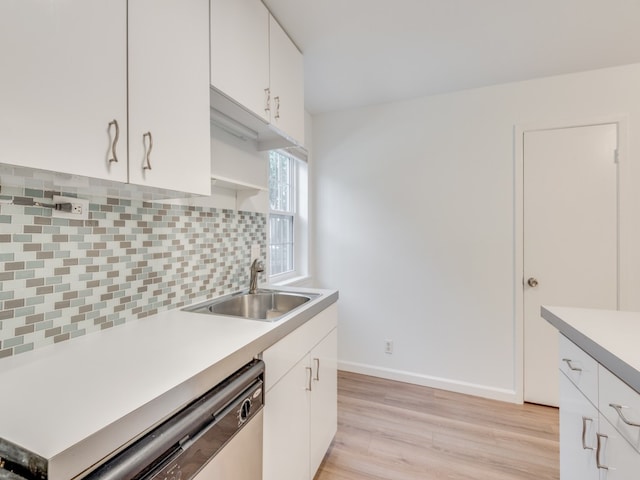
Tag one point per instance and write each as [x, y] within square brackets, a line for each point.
[75, 402]
[611, 337]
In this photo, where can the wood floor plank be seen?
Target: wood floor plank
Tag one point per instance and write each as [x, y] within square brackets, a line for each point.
[396, 431]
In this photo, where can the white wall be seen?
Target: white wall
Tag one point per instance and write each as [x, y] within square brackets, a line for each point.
[415, 214]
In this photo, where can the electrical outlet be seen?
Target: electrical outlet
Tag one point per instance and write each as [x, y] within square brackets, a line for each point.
[79, 208]
[388, 347]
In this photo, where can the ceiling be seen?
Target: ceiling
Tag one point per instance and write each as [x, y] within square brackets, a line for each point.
[363, 52]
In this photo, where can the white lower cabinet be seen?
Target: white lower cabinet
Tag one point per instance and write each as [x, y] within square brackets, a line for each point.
[617, 459]
[286, 427]
[300, 413]
[591, 447]
[323, 412]
[578, 426]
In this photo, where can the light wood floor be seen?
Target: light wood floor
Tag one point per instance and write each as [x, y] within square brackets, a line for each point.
[396, 431]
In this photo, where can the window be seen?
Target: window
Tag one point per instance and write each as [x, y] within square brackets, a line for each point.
[287, 216]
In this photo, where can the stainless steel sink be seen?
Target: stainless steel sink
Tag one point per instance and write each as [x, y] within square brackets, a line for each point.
[265, 305]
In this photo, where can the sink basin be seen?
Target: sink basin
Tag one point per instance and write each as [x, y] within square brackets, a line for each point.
[265, 305]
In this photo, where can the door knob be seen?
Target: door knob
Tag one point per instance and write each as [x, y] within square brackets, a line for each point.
[532, 282]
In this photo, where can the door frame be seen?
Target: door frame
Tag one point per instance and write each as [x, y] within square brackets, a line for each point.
[622, 122]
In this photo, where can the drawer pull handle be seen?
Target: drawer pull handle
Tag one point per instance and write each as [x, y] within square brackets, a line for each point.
[310, 372]
[147, 165]
[277, 102]
[618, 408]
[571, 367]
[267, 100]
[598, 450]
[114, 157]
[584, 433]
[317, 362]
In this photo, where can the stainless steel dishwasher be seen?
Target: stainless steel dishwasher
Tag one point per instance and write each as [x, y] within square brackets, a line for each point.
[216, 437]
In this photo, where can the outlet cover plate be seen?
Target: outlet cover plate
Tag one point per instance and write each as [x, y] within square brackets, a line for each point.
[80, 203]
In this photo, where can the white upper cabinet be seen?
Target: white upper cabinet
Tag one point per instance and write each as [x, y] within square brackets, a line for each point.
[256, 68]
[64, 79]
[240, 52]
[78, 99]
[169, 135]
[287, 83]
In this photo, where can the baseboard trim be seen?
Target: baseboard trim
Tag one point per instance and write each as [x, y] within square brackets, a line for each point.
[433, 382]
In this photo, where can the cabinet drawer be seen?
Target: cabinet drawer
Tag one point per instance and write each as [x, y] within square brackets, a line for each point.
[580, 368]
[283, 355]
[614, 391]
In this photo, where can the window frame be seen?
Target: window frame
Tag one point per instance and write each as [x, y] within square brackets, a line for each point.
[299, 213]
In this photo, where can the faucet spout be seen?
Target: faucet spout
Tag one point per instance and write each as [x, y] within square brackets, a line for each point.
[256, 267]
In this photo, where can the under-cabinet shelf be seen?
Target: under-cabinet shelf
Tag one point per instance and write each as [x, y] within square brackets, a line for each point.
[233, 184]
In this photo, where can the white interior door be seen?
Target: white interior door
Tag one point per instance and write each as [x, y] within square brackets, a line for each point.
[570, 238]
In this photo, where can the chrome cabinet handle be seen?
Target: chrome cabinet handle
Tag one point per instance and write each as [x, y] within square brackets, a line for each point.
[148, 150]
[571, 367]
[114, 143]
[309, 380]
[532, 282]
[317, 362]
[584, 433]
[618, 408]
[277, 102]
[267, 99]
[599, 464]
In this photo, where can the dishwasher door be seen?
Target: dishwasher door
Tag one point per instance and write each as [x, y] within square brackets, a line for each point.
[218, 436]
[241, 458]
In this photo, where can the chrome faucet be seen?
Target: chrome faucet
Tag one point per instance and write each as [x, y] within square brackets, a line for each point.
[256, 267]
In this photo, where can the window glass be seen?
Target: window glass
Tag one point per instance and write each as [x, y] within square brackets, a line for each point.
[281, 244]
[282, 214]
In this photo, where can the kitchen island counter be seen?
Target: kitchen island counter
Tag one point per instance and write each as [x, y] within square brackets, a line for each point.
[69, 405]
[609, 336]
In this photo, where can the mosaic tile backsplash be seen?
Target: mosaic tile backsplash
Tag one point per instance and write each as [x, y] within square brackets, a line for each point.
[62, 278]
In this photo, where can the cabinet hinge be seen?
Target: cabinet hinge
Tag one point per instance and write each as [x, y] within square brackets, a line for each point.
[615, 156]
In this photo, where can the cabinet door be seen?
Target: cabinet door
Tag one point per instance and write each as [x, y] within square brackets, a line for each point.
[169, 95]
[622, 462]
[240, 52]
[323, 409]
[287, 83]
[286, 426]
[578, 426]
[64, 79]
